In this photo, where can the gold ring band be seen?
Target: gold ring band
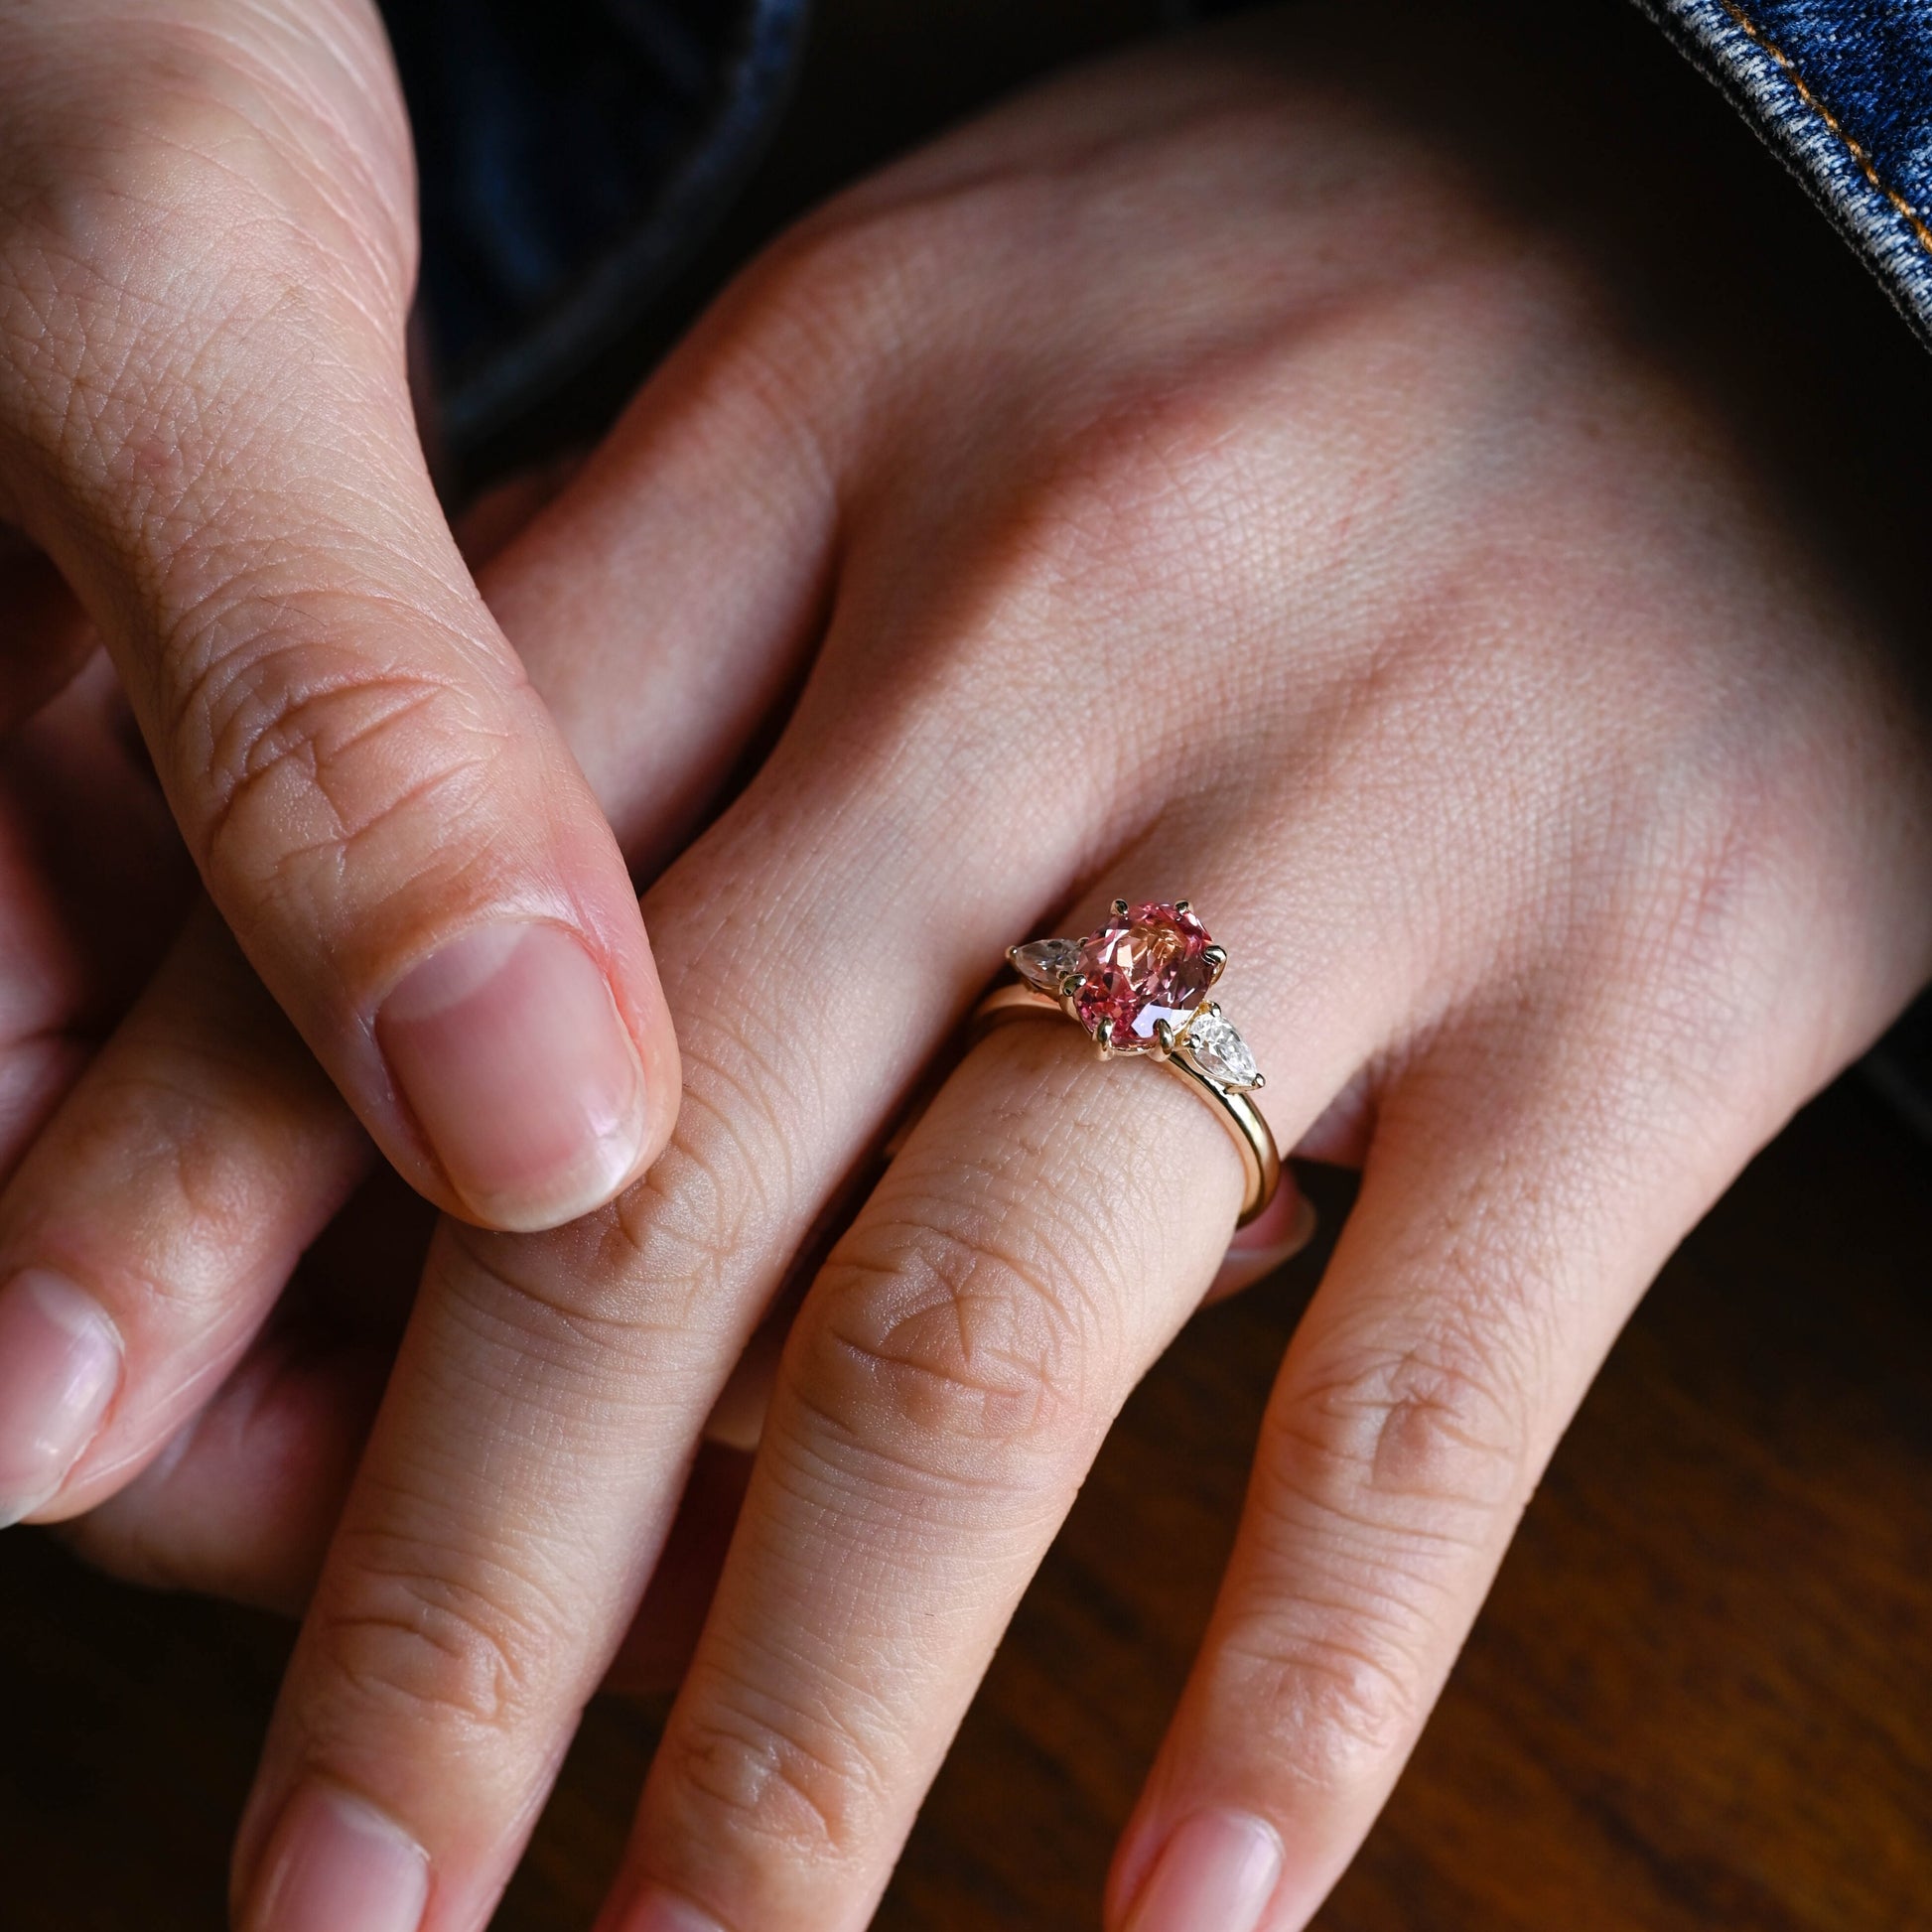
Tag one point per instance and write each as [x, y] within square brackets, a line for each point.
[1261, 1159]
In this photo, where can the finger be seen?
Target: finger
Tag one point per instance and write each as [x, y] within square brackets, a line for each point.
[1508, 1223]
[104, 1356]
[954, 1371]
[242, 1503]
[231, 481]
[521, 1478]
[158, 1281]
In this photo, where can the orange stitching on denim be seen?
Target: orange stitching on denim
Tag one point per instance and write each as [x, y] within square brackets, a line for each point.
[1912, 218]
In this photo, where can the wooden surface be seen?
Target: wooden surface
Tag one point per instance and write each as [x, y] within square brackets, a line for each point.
[1700, 1696]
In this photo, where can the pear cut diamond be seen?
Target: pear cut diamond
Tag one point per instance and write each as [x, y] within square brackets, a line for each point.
[1045, 963]
[1214, 1044]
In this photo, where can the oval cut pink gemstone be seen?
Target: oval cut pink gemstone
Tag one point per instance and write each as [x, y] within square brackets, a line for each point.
[1142, 967]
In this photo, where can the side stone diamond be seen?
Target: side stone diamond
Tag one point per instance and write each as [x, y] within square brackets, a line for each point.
[1045, 963]
[1214, 1044]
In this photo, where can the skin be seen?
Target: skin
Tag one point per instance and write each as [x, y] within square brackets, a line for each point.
[1219, 474]
[206, 442]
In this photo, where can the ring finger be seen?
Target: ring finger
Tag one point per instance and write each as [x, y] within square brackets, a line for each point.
[1032, 1251]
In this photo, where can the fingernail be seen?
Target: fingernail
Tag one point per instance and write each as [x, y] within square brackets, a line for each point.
[60, 1365]
[1270, 1241]
[510, 1051]
[338, 1864]
[655, 1910]
[1281, 1230]
[1217, 1874]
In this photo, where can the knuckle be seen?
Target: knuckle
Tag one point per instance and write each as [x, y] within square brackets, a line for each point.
[186, 1168]
[950, 1348]
[1437, 1421]
[550, 1300]
[415, 1640]
[304, 757]
[698, 1229]
[784, 1783]
[838, 285]
[670, 1262]
[1337, 1705]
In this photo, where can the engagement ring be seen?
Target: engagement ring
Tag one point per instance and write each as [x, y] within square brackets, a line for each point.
[1140, 986]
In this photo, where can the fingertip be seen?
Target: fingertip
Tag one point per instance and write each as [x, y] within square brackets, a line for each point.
[1273, 1239]
[1217, 1868]
[525, 1080]
[655, 1910]
[335, 1863]
[61, 1362]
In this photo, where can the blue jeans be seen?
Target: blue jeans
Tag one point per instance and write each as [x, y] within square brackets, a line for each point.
[1841, 90]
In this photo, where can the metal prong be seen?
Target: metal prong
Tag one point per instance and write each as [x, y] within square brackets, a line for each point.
[1257, 1083]
[1120, 908]
[1070, 990]
[1103, 1037]
[1217, 960]
[1162, 1040]
[1183, 905]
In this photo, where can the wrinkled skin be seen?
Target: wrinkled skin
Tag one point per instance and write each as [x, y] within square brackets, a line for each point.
[1219, 474]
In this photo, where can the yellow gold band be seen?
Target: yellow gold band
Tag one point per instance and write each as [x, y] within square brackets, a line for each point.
[1261, 1159]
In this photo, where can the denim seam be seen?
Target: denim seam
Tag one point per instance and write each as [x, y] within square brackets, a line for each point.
[1851, 144]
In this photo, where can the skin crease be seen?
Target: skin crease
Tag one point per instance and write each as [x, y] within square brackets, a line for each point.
[1231, 450]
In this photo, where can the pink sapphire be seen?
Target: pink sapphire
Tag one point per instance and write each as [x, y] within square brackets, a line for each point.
[1143, 966]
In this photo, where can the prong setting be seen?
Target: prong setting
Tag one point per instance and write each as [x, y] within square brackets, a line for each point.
[1162, 1040]
[1217, 960]
[1070, 990]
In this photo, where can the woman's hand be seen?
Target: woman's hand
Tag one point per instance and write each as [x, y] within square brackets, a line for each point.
[206, 251]
[1218, 477]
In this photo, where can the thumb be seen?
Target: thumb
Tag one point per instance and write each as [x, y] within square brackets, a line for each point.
[206, 420]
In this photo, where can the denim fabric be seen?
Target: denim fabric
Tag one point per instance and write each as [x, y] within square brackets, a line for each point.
[573, 154]
[1843, 90]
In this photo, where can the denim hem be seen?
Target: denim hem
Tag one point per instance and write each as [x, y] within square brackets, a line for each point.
[1839, 90]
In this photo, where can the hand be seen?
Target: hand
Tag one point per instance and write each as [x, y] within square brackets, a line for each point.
[206, 251]
[1205, 478]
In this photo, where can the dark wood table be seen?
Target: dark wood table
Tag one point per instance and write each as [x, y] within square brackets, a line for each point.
[1701, 1696]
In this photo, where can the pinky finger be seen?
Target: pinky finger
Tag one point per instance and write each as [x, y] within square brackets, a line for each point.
[1472, 1295]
